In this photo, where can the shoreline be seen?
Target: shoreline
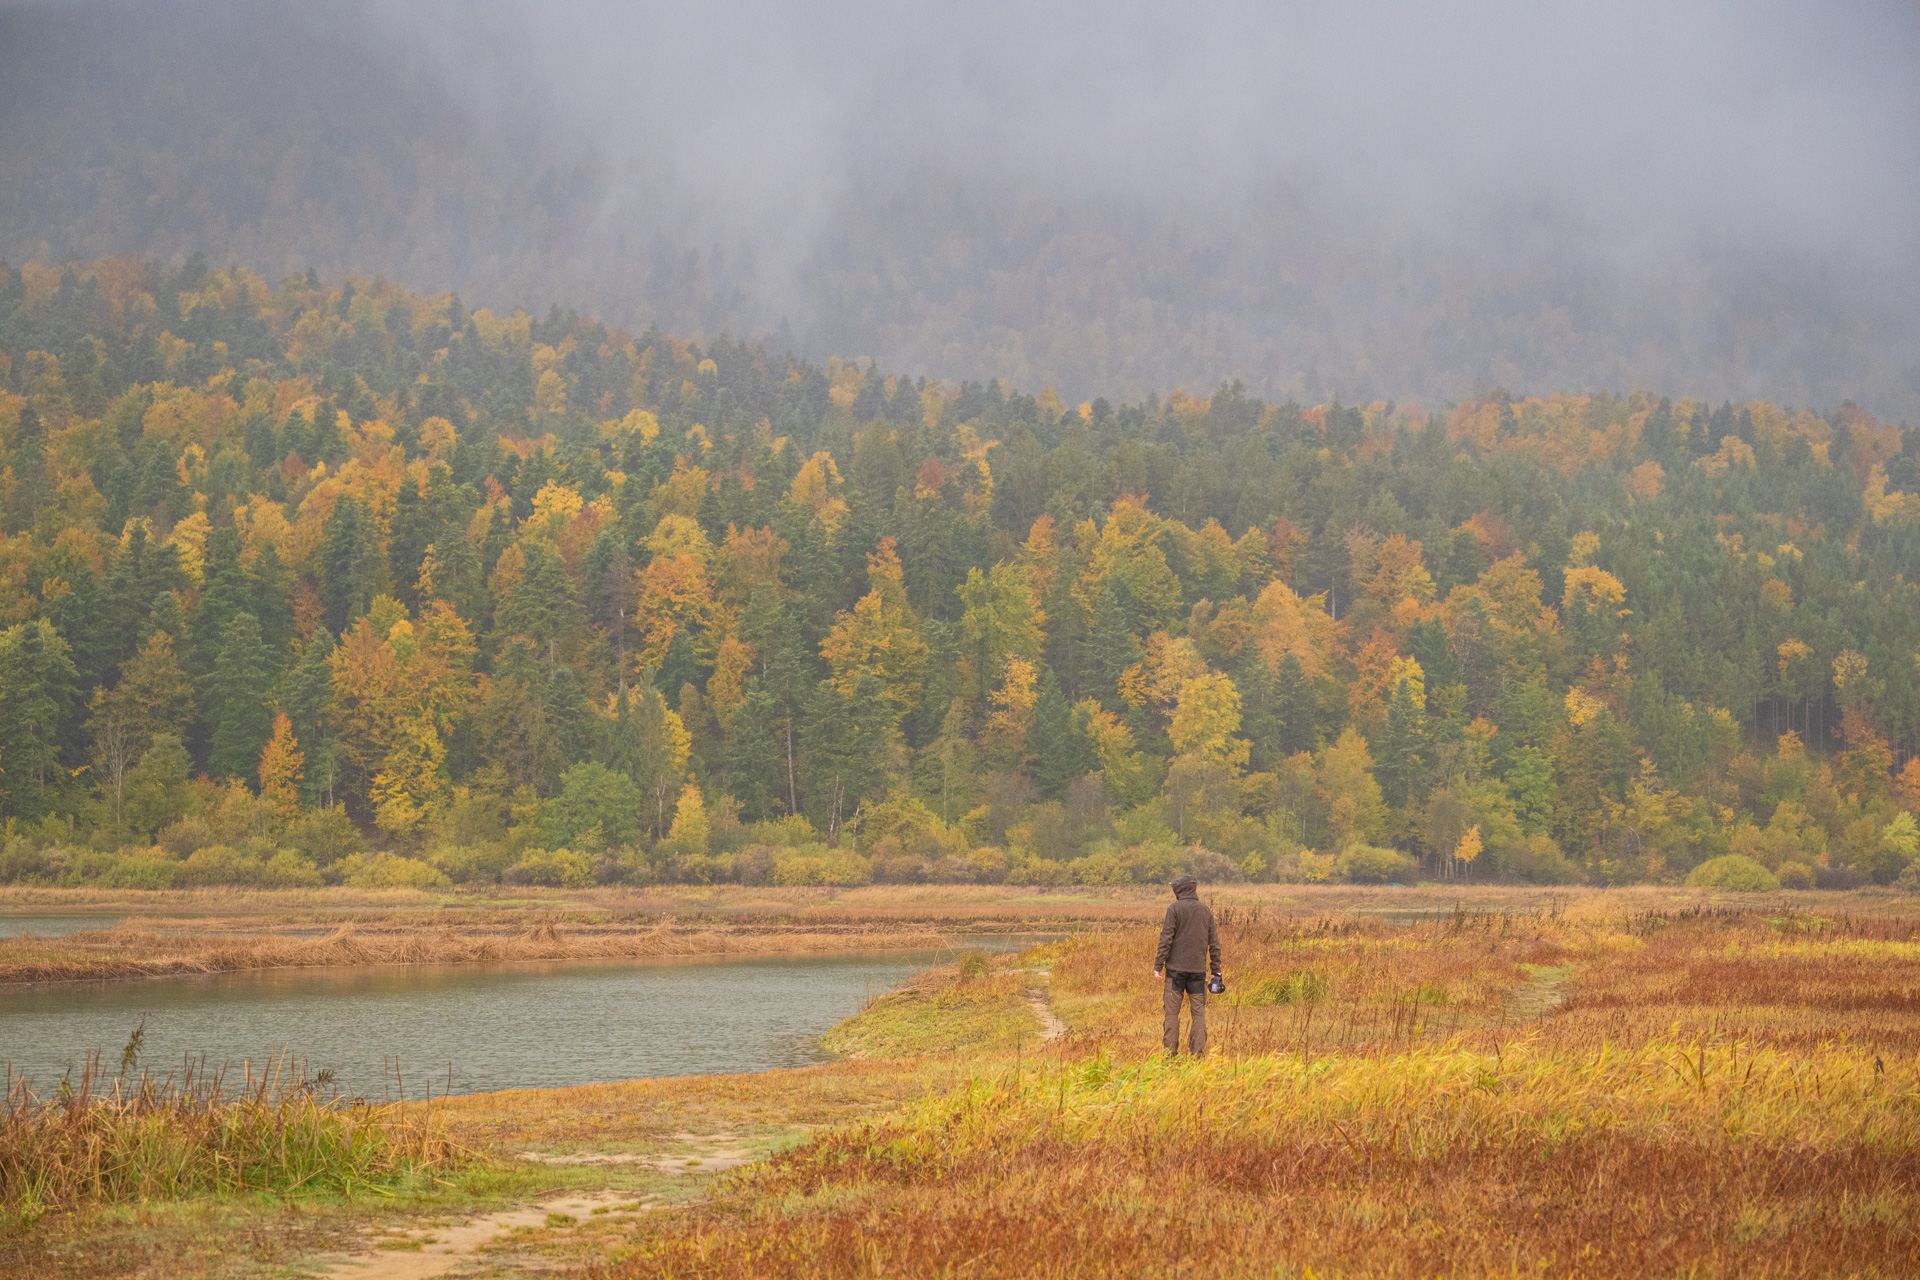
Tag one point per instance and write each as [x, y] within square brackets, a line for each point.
[197, 932]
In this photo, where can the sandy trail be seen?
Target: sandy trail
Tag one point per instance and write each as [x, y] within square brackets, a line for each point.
[441, 1249]
[1051, 1028]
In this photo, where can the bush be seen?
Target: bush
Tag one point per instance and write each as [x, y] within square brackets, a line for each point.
[468, 864]
[141, 871]
[1099, 869]
[288, 870]
[325, 836]
[1537, 860]
[387, 871]
[1907, 881]
[189, 835]
[1796, 875]
[819, 865]
[1732, 871]
[1043, 872]
[1371, 864]
[221, 864]
[554, 868]
[754, 864]
[624, 865]
[1215, 868]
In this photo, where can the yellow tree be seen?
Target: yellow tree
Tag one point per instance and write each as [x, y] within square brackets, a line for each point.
[1002, 620]
[881, 635]
[408, 792]
[1469, 847]
[675, 593]
[1205, 720]
[1350, 794]
[282, 765]
[691, 831]
[1006, 736]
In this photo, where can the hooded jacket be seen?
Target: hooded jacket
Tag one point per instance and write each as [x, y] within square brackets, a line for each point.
[1189, 942]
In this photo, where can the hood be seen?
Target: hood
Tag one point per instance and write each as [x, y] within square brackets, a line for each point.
[1186, 887]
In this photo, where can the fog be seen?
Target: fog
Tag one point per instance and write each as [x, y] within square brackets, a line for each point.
[1411, 201]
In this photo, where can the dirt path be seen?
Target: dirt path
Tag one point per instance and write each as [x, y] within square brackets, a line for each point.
[1541, 996]
[418, 1253]
[1051, 1028]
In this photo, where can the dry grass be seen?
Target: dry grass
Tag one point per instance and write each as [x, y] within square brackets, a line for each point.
[1720, 1093]
[218, 947]
[107, 1140]
[1643, 1082]
[221, 930]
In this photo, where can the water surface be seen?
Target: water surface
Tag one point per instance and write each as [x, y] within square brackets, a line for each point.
[496, 1026]
[53, 926]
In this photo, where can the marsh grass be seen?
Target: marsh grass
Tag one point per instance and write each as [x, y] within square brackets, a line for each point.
[1718, 1095]
[131, 952]
[105, 1138]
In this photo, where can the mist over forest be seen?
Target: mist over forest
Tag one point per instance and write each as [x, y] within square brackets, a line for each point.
[1710, 200]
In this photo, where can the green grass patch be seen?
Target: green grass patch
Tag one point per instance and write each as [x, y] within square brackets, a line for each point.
[940, 1012]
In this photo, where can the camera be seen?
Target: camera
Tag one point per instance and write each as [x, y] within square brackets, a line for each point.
[1216, 985]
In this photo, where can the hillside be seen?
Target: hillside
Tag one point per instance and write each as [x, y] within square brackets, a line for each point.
[938, 203]
[295, 571]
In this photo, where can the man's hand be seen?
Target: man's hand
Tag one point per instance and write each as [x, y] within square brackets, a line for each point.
[1158, 976]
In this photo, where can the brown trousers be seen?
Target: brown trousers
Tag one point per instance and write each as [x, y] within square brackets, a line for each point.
[1194, 987]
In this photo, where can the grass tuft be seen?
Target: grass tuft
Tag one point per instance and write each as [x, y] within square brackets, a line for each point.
[105, 1139]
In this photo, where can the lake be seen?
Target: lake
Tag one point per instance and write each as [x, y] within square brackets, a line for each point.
[497, 1026]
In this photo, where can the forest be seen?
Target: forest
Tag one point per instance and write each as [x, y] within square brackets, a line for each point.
[331, 582]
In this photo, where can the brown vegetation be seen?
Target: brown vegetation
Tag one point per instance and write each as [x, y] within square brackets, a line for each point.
[1578, 1091]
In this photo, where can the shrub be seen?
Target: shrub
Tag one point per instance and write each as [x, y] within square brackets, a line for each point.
[325, 836]
[221, 864]
[189, 835]
[1537, 860]
[1099, 869]
[1371, 864]
[624, 865]
[754, 864]
[387, 871]
[1044, 872]
[1732, 871]
[696, 868]
[288, 870]
[467, 864]
[1908, 881]
[1795, 875]
[1215, 868]
[141, 871]
[819, 865]
[554, 868]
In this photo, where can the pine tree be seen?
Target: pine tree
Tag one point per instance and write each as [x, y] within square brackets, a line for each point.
[273, 604]
[1059, 754]
[349, 560]
[235, 695]
[1113, 645]
[36, 695]
[753, 759]
[305, 690]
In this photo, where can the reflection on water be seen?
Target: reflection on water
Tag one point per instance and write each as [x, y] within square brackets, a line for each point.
[499, 1026]
[53, 926]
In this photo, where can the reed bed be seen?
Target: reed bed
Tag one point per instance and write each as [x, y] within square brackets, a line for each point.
[107, 1139]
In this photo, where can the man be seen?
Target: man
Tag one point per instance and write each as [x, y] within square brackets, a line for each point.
[1189, 951]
